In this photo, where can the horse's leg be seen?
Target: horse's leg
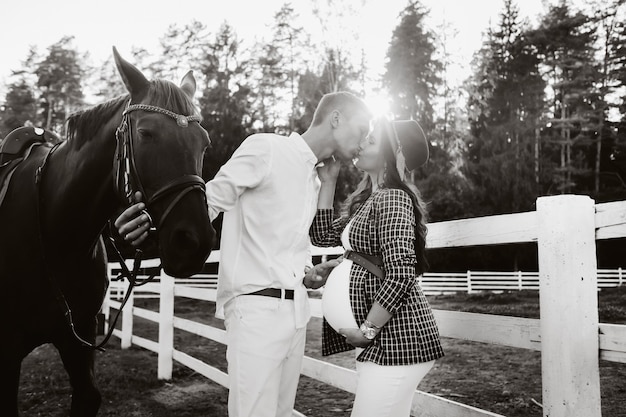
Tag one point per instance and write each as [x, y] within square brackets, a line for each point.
[79, 364]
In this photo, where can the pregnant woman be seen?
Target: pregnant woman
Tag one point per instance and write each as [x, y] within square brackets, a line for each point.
[372, 300]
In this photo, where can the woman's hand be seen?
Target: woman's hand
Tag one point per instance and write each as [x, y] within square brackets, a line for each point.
[329, 171]
[327, 174]
[355, 337]
[132, 225]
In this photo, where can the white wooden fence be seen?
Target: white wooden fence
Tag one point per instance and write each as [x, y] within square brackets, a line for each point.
[432, 283]
[568, 334]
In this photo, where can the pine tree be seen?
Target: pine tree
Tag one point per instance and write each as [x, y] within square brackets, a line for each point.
[277, 68]
[20, 107]
[270, 81]
[442, 181]
[412, 72]
[565, 42]
[105, 80]
[291, 40]
[610, 167]
[226, 101]
[59, 78]
[182, 49]
[506, 105]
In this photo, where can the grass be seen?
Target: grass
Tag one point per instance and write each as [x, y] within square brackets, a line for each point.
[499, 379]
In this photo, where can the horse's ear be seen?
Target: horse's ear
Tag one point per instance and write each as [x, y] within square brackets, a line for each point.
[188, 84]
[136, 83]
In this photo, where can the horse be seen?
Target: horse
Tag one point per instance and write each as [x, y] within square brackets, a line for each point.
[59, 201]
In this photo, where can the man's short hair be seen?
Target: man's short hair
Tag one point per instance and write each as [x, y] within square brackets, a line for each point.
[347, 103]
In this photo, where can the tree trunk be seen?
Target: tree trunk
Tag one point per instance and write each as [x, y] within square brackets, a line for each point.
[599, 153]
[50, 111]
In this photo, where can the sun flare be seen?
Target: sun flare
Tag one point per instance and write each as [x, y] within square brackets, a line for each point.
[378, 104]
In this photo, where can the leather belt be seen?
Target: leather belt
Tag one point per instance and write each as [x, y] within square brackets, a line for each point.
[370, 262]
[274, 292]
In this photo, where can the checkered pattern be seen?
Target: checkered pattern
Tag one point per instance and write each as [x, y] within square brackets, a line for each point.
[384, 226]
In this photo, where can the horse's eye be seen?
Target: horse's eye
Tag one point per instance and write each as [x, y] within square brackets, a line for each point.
[144, 134]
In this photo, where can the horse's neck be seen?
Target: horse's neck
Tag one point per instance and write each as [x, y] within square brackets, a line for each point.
[80, 194]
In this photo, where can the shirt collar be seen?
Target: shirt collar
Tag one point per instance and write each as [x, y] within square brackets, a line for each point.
[304, 148]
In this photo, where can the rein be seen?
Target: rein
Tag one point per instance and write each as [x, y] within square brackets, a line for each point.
[125, 175]
[126, 171]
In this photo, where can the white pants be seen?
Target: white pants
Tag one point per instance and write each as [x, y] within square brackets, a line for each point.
[387, 391]
[264, 354]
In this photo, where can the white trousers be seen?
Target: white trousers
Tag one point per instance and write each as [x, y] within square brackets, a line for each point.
[387, 391]
[264, 354]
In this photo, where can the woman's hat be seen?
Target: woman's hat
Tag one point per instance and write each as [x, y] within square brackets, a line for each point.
[412, 142]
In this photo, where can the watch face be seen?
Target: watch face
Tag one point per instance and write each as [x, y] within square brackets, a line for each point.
[368, 332]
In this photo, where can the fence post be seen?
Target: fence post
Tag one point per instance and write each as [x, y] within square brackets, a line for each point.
[520, 284]
[106, 308]
[568, 306]
[469, 281]
[127, 320]
[166, 327]
[620, 277]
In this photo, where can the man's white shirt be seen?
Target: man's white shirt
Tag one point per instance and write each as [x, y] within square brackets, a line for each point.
[268, 192]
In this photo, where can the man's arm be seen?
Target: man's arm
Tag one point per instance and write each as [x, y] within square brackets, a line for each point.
[247, 168]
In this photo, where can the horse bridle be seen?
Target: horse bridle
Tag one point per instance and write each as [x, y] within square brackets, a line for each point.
[127, 180]
[125, 177]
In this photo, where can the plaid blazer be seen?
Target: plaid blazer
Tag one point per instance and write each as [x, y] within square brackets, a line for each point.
[384, 226]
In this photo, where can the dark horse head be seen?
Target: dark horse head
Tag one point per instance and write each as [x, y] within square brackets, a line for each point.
[160, 148]
[57, 203]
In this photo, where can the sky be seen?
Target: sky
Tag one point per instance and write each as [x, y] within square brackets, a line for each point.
[98, 25]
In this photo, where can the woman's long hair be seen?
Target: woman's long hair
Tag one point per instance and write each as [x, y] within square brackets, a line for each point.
[391, 179]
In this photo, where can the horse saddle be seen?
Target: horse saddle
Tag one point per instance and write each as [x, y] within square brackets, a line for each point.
[16, 147]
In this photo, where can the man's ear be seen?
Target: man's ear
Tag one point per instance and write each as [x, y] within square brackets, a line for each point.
[335, 117]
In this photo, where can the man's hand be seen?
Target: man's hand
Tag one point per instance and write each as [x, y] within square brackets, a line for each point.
[355, 337]
[132, 225]
[316, 277]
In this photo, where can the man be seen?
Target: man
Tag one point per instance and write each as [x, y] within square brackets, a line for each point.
[268, 193]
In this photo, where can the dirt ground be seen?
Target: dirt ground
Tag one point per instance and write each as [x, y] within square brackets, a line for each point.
[499, 379]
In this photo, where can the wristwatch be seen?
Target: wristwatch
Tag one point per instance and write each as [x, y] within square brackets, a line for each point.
[369, 330]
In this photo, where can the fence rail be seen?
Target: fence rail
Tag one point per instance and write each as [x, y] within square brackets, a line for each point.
[571, 340]
[432, 283]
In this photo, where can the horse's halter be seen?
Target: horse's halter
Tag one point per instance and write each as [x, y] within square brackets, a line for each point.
[127, 180]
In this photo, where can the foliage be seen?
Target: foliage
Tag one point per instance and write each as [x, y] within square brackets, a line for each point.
[59, 78]
[20, 107]
[226, 99]
[505, 113]
[542, 112]
[412, 72]
[288, 46]
[565, 42]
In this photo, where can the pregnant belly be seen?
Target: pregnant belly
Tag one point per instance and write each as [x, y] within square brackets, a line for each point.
[336, 298]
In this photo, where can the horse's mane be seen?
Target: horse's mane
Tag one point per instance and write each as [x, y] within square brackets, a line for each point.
[161, 93]
[83, 123]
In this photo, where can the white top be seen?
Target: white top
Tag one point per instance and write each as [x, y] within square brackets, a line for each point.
[345, 239]
[336, 297]
[268, 192]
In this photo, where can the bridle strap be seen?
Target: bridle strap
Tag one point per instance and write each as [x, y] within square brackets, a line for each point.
[187, 183]
[181, 120]
[126, 175]
[125, 168]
